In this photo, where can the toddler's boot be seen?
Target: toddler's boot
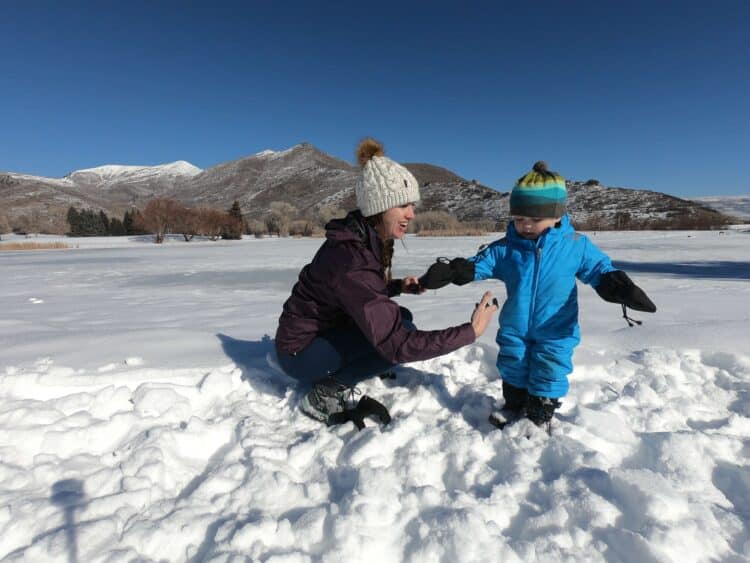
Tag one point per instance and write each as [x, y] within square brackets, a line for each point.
[515, 397]
[540, 410]
[513, 409]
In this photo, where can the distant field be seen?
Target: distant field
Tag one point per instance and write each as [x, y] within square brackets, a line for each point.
[32, 246]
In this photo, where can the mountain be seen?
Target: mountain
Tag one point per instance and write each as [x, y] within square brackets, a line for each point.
[736, 206]
[302, 175]
[44, 202]
[308, 178]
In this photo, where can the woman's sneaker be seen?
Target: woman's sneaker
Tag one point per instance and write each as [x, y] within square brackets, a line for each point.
[332, 403]
[328, 397]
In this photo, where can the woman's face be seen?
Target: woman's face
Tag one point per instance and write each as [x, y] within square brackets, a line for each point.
[396, 222]
[531, 227]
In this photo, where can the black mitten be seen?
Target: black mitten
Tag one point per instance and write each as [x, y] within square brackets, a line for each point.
[438, 275]
[463, 271]
[459, 271]
[617, 287]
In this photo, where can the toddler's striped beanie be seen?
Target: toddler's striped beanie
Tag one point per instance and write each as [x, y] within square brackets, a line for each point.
[540, 193]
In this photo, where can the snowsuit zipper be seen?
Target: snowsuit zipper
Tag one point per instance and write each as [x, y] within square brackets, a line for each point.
[534, 283]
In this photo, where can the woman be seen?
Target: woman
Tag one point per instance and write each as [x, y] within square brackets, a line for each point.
[340, 325]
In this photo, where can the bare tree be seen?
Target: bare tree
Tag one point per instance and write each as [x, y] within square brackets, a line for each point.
[159, 215]
[187, 222]
[256, 228]
[212, 222]
[435, 221]
[328, 212]
[301, 228]
[280, 217]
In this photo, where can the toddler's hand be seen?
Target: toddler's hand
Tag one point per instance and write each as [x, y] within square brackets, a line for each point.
[410, 284]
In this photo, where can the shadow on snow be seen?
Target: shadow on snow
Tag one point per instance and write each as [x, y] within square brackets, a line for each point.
[721, 269]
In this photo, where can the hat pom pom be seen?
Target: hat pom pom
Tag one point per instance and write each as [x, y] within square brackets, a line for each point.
[367, 149]
[540, 167]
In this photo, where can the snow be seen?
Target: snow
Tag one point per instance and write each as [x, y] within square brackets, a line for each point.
[273, 155]
[736, 206]
[142, 416]
[109, 173]
[62, 182]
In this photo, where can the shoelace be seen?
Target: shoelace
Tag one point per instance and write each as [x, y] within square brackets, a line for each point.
[341, 392]
[353, 391]
[630, 320]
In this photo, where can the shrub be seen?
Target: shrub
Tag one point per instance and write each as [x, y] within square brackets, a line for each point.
[33, 246]
[301, 228]
[434, 221]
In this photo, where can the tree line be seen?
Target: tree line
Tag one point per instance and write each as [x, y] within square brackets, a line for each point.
[160, 217]
[163, 216]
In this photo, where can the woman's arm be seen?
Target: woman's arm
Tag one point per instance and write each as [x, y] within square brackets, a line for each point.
[362, 295]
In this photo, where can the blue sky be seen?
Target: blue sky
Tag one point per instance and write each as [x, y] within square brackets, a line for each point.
[636, 94]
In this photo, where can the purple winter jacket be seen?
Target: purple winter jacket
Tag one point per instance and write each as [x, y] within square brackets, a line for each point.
[344, 286]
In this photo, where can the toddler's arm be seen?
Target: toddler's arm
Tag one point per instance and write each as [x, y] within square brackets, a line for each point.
[459, 271]
[485, 264]
[612, 285]
[617, 287]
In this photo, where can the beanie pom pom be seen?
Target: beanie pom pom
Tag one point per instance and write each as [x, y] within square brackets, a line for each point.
[367, 149]
[540, 167]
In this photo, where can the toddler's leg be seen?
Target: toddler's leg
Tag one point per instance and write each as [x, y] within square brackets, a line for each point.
[550, 363]
[513, 361]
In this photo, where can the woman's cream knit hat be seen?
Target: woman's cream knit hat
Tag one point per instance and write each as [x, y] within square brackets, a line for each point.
[383, 183]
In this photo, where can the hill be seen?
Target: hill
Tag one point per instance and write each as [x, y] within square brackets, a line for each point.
[308, 178]
[736, 206]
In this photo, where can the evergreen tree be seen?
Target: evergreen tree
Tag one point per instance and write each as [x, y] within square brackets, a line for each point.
[88, 224]
[116, 228]
[235, 211]
[132, 222]
[103, 224]
[233, 228]
[127, 223]
[73, 218]
[4, 225]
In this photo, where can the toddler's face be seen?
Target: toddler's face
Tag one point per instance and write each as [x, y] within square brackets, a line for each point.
[531, 227]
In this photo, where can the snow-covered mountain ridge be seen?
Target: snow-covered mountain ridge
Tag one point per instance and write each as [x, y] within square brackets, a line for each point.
[111, 174]
[308, 178]
[737, 206]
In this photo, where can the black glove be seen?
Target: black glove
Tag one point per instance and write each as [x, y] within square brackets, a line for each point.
[617, 287]
[459, 271]
[367, 406]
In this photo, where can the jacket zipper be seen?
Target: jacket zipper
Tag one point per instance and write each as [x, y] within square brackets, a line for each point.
[535, 282]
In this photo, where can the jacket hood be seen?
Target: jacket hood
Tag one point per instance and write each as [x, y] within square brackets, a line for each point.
[353, 228]
[562, 228]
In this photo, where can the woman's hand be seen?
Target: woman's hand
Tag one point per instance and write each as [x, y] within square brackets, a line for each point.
[483, 313]
[411, 284]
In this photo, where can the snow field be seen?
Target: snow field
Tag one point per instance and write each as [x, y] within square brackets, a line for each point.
[121, 443]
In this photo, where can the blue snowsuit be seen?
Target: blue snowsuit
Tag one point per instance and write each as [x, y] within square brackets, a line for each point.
[539, 319]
